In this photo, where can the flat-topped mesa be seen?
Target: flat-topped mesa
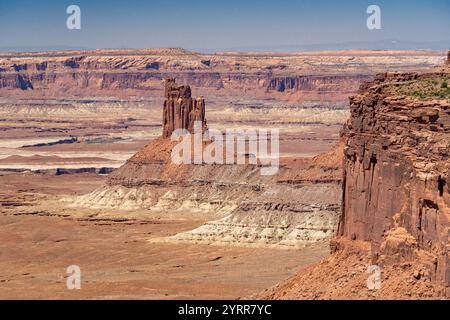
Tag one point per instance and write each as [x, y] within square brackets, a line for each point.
[448, 59]
[180, 109]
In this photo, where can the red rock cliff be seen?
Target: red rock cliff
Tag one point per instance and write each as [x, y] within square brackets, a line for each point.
[397, 171]
[128, 73]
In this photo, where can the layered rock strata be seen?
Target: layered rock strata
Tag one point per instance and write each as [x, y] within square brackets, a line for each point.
[324, 76]
[396, 175]
[396, 197]
[297, 206]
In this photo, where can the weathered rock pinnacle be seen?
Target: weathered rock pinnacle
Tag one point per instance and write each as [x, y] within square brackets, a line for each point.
[180, 109]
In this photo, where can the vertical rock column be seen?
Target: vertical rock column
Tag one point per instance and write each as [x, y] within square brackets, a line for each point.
[180, 110]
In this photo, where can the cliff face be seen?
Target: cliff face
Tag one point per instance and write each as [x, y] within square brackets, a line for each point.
[396, 197]
[101, 77]
[180, 111]
[294, 77]
[339, 84]
[397, 172]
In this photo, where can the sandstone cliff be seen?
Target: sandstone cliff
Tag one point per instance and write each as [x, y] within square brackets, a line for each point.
[294, 77]
[396, 198]
[396, 172]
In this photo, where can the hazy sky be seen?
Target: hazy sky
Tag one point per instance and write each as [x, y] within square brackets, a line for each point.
[217, 25]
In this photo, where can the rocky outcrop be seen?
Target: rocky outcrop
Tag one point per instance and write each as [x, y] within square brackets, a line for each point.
[296, 207]
[396, 197]
[180, 109]
[396, 174]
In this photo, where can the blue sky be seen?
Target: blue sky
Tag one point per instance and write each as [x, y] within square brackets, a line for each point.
[219, 25]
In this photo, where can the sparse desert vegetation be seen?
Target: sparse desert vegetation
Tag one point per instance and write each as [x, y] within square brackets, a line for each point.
[428, 87]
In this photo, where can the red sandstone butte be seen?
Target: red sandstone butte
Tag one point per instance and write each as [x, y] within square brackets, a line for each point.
[180, 109]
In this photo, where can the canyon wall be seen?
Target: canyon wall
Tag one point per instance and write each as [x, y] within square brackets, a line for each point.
[394, 229]
[397, 172]
[70, 78]
[294, 77]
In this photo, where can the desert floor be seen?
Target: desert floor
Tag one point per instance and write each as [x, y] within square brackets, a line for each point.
[118, 258]
[123, 258]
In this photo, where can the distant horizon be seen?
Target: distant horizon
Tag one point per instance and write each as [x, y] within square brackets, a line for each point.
[437, 46]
